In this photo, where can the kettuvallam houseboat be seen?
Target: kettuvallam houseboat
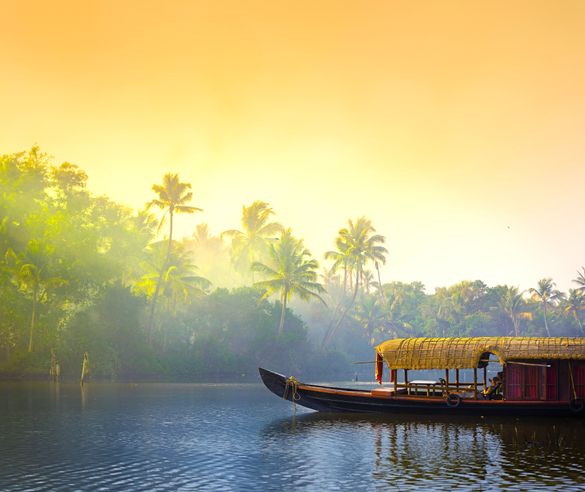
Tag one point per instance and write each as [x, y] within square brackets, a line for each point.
[539, 377]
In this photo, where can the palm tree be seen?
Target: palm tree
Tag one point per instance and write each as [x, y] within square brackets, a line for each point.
[547, 295]
[575, 303]
[173, 196]
[290, 270]
[204, 247]
[341, 259]
[580, 280]
[203, 240]
[511, 303]
[251, 243]
[361, 246]
[179, 283]
[371, 315]
[31, 271]
[367, 281]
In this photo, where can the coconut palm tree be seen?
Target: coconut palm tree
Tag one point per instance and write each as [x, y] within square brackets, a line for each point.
[580, 280]
[204, 241]
[547, 295]
[180, 285]
[371, 315]
[341, 259]
[179, 282]
[289, 271]
[31, 272]
[511, 302]
[574, 303]
[368, 281]
[361, 245]
[206, 248]
[173, 196]
[250, 244]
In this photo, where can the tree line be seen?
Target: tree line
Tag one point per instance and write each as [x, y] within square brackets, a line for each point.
[81, 273]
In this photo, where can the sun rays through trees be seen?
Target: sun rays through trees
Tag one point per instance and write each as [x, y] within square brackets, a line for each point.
[81, 273]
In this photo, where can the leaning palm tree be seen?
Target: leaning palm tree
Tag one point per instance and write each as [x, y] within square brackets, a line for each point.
[580, 280]
[289, 271]
[173, 196]
[574, 303]
[250, 244]
[511, 302]
[361, 245]
[547, 295]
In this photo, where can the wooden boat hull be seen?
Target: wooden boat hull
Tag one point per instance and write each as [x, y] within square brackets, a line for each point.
[339, 400]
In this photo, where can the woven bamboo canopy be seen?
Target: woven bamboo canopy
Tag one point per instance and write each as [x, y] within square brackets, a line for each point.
[466, 353]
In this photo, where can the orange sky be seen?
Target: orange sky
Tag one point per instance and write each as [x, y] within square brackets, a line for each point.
[456, 126]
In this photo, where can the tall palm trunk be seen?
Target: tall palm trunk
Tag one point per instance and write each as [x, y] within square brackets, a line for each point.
[579, 321]
[380, 281]
[516, 323]
[545, 320]
[33, 317]
[332, 330]
[283, 312]
[250, 262]
[160, 277]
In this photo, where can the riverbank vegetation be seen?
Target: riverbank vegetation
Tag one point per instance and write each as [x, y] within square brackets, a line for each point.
[81, 273]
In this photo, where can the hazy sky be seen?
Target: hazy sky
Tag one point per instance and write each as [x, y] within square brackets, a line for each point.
[457, 127]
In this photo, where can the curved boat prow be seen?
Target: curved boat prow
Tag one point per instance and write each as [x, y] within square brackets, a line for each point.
[273, 381]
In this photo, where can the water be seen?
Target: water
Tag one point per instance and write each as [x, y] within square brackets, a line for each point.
[241, 437]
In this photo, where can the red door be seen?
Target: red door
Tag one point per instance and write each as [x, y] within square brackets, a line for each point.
[552, 381]
[514, 381]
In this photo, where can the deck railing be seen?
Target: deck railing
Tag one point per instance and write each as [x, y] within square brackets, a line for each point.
[442, 387]
[438, 388]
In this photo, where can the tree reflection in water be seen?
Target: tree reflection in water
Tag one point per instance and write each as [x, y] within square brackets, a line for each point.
[431, 452]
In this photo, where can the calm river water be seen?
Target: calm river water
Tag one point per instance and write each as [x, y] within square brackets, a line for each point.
[241, 437]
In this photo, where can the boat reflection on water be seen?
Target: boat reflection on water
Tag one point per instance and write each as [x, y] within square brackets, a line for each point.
[433, 452]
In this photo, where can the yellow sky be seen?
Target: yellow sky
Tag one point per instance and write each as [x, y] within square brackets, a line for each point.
[456, 126]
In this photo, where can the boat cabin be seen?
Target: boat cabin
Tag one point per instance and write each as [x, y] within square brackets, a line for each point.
[533, 369]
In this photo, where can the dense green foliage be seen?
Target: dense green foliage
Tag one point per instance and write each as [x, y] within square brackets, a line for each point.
[80, 273]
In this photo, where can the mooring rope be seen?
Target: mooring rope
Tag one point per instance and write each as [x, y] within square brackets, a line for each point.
[292, 386]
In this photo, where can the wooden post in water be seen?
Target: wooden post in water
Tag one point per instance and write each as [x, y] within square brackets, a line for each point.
[84, 368]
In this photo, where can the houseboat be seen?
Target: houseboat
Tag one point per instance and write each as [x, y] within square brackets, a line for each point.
[538, 377]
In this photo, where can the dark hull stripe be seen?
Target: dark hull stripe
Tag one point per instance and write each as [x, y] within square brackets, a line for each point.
[328, 399]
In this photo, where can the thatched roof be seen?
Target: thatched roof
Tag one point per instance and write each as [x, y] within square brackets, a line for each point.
[463, 353]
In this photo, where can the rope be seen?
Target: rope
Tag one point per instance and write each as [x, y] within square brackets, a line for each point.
[292, 386]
